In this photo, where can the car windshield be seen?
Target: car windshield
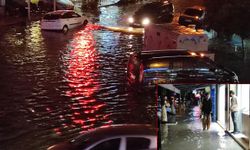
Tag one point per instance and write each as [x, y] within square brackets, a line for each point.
[193, 12]
[52, 16]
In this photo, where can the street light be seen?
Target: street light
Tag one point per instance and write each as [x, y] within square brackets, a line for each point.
[54, 5]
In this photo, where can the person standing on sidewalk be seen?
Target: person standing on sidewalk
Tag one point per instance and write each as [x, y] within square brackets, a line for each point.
[234, 110]
[206, 108]
[164, 117]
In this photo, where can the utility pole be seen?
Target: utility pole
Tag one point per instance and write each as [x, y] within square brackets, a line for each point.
[29, 10]
[54, 5]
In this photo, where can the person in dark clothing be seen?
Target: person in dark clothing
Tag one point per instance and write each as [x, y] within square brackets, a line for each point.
[206, 109]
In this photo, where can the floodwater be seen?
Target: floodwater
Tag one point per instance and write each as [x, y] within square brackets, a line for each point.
[188, 134]
[55, 86]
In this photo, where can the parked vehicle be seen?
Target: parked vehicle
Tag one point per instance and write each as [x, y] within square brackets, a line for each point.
[169, 66]
[193, 15]
[62, 20]
[155, 12]
[115, 137]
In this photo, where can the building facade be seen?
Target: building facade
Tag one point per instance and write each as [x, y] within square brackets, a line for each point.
[242, 91]
[2, 3]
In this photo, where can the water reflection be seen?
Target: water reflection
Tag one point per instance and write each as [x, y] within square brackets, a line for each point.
[109, 16]
[59, 85]
[82, 77]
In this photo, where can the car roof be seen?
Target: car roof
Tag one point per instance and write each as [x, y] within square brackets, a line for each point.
[153, 5]
[157, 54]
[196, 7]
[120, 129]
[117, 130]
[60, 12]
[205, 75]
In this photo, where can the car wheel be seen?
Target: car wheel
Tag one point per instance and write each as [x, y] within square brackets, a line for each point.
[85, 22]
[65, 29]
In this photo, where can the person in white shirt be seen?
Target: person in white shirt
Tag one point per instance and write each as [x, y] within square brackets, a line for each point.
[234, 111]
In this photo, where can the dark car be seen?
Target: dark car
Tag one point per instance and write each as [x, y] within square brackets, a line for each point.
[114, 137]
[175, 66]
[193, 15]
[60, 5]
[155, 12]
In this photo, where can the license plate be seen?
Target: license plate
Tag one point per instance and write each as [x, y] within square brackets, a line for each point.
[187, 20]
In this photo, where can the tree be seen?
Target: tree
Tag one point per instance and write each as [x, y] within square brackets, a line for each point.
[228, 17]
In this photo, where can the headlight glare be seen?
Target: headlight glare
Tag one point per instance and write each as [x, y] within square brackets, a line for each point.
[145, 21]
[131, 20]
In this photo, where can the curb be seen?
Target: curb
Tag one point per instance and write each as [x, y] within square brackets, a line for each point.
[244, 146]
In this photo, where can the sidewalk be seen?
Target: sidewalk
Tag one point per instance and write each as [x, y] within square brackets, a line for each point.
[12, 20]
[188, 135]
[241, 139]
[9, 20]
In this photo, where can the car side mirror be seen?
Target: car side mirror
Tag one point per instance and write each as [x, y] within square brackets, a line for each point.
[213, 69]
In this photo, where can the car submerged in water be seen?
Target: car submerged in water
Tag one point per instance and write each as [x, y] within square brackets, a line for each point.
[193, 15]
[155, 12]
[175, 66]
[114, 137]
[62, 20]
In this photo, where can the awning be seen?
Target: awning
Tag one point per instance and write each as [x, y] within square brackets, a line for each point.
[170, 87]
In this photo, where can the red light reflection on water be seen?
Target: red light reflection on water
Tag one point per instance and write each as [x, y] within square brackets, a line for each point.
[83, 82]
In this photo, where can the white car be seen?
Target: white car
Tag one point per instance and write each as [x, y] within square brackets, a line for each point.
[62, 20]
[114, 137]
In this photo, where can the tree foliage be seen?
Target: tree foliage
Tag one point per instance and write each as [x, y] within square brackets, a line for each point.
[229, 16]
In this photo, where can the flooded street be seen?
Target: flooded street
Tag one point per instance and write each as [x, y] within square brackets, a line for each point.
[55, 86]
[188, 133]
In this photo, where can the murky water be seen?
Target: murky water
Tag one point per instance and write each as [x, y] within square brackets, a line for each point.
[56, 86]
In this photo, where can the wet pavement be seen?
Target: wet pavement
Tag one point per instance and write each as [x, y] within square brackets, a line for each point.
[189, 135]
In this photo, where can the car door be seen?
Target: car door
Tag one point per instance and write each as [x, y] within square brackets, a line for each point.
[77, 19]
[66, 20]
[113, 143]
[71, 19]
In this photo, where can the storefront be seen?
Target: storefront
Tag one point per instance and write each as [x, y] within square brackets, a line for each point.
[242, 91]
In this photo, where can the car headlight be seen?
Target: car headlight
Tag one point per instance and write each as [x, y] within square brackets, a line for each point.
[131, 20]
[197, 18]
[145, 21]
